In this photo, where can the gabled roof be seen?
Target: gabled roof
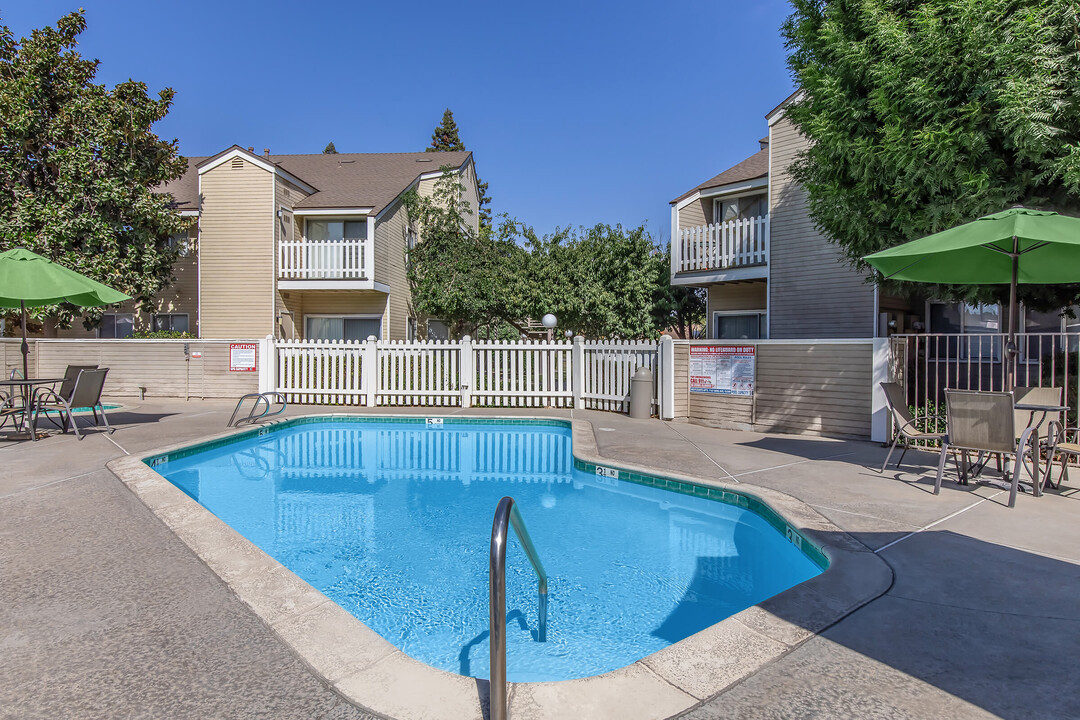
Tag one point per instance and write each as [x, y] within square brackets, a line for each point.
[344, 180]
[754, 167]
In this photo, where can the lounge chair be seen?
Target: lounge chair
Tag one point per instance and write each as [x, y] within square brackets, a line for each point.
[896, 399]
[71, 374]
[85, 394]
[985, 422]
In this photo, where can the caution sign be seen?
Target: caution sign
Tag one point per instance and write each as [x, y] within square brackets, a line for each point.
[242, 357]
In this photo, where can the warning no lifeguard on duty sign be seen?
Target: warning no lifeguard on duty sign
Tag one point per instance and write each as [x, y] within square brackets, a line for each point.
[722, 369]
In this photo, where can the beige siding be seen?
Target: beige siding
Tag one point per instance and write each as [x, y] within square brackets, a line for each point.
[286, 228]
[159, 366]
[237, 251]
[736, 296]
[11, 357]
[820, 389]
[390, 237]
[426, 188]
[682, 379]
[696, 214]
[813, 293]
[334, 302]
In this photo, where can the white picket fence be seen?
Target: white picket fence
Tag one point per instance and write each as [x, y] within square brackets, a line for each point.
[584, 374]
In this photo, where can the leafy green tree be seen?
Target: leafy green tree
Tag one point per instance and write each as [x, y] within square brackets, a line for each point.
[600, 282]
[456, 274]
[330, 149]
[924, 114]
[679, 307]
[445, 139]
[79, 166]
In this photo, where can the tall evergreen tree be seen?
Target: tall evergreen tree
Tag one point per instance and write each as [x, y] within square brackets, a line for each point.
[445, 139]
[330, 149]
[924, 114]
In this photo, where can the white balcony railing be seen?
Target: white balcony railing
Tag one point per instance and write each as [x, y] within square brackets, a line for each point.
[720, 246]
[324, 260]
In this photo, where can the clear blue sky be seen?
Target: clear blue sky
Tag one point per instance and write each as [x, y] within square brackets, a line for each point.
[577, 112]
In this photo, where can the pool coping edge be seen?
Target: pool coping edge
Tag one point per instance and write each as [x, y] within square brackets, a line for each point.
[371, 673]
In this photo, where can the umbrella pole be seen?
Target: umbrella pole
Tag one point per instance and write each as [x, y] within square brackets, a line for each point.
[1011, 346]
[25, 347]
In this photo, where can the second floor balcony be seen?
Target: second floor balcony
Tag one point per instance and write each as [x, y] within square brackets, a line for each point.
[720, 247]
[346, 259]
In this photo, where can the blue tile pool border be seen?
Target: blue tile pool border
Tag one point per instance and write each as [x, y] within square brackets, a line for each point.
[726, 496]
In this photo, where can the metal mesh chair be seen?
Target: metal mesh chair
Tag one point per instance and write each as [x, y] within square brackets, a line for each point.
[85, 394]
[71, 374]
[985, 422]
[896, 399]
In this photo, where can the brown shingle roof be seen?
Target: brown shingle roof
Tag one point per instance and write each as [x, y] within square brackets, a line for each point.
[753, 167]
[185, 191]
[343, 180]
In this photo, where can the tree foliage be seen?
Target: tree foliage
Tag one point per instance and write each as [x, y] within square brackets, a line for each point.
[679, 307]
[445, 139]
[445, 136]
[330, 149]
[600, 282]
[79, 165]
[924, 114]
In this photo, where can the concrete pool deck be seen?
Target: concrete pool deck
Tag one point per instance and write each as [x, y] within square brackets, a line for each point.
[105, 612]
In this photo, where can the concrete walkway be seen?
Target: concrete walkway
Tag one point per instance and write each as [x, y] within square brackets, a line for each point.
[104, 613]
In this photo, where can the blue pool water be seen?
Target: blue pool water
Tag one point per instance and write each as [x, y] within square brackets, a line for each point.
[393, 522]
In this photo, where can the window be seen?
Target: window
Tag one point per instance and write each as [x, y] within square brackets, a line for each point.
[335, 230]
[324, 327]
[117, 326]
[438, 330]
[751, 206]
[181, 242]
[739, 326]
[412, 329]
[171, 322]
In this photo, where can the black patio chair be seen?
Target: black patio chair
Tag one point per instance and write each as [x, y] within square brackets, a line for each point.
[85, 394]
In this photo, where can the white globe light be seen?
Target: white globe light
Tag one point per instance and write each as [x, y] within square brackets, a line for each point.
[549, 320]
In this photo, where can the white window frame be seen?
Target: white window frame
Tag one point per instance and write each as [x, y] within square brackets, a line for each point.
[711, 334]
[349, 316]
[155, 316]
[362, 219]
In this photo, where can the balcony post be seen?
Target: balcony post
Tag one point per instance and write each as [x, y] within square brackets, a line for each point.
[369, 250]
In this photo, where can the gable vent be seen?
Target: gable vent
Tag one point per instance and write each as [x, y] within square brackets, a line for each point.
[238, 163]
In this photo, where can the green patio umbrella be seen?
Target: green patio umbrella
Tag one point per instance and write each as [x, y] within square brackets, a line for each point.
[30, 280]
[1006, 248]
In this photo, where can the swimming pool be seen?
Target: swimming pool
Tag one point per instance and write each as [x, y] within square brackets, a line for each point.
[392, 520]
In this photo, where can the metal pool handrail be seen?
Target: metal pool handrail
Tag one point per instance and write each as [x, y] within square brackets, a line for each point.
[507, 515]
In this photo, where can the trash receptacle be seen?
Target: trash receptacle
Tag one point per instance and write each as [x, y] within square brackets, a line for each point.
[641, 394]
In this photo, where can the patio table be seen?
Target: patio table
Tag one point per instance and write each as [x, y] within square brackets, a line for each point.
[1034, 408]
[28, 386]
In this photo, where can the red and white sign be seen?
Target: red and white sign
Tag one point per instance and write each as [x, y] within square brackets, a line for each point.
[243, 357]
[722, 369]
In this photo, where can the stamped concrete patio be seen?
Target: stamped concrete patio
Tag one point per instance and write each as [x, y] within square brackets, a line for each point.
[105, 613]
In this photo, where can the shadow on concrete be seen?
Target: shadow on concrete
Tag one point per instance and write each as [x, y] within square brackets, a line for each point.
[810, 449]
[995, 626]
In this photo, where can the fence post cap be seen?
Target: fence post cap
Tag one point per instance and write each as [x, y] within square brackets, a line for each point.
[466, 338]
[579, 338]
